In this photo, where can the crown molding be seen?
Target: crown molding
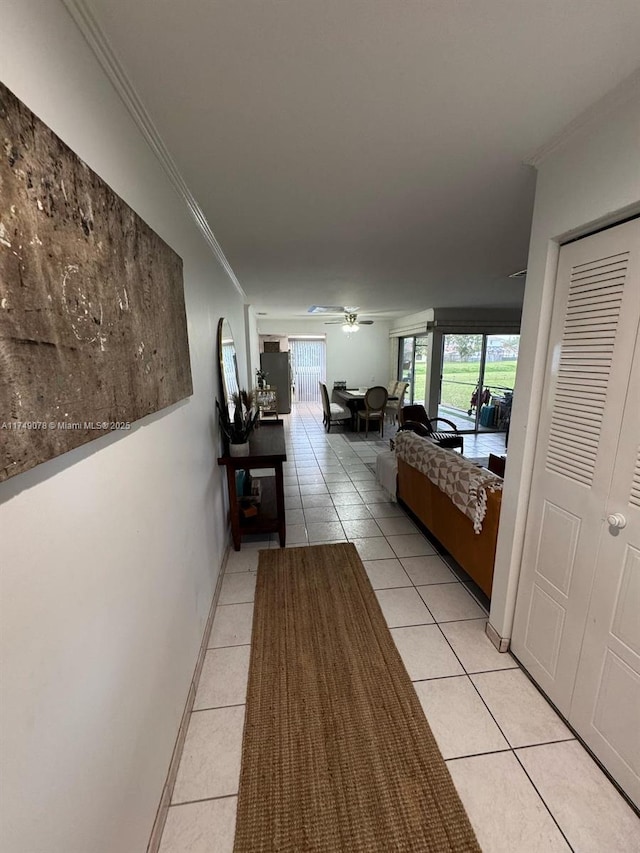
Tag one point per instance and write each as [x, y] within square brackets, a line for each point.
[625, 91]
[107, 58]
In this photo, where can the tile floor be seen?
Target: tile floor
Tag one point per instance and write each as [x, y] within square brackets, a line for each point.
[526, 782]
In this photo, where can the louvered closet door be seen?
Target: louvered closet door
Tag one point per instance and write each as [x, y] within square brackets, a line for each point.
[593, 335]
[605, 708]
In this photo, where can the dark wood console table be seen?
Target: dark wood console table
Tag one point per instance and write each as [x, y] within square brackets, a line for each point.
[266, 450]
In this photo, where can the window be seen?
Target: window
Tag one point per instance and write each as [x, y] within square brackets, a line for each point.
[308, 359]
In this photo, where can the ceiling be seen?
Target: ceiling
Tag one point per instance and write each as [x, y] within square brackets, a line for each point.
[368, 152]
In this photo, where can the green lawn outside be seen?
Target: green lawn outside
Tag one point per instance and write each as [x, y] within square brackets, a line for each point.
[420, 382]
[460, 378]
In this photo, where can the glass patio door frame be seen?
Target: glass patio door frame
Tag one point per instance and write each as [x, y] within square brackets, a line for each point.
[409, 376]
[480, 386]
[400, 372]
[481, 366]
[476, 429]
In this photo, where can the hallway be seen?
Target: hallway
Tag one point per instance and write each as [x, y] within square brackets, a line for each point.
[526, 782]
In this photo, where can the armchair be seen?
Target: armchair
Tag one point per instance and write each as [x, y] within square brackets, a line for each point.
[416, 419]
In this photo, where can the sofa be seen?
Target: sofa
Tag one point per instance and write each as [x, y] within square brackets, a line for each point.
[456, 500]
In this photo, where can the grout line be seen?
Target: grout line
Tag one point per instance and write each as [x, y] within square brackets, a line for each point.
[500, 729]
[544, 743]
[469, 619]
[478, 754]
[219, 707]
[468, 675]
[535, 788]
[577, 737]
[203, 800]
[512, 749]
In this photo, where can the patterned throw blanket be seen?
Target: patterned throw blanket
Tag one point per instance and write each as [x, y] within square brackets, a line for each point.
[463, 482]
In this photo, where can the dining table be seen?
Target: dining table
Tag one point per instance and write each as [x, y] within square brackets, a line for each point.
[354, 400]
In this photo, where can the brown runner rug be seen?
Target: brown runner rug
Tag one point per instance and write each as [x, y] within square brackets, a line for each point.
[337, 754]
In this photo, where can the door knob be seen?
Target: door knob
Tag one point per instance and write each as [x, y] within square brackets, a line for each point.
[617, 520]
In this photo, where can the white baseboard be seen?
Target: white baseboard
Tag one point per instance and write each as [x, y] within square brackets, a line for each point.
[501, 643]
[167, 791]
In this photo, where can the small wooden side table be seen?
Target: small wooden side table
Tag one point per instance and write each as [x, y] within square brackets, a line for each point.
[496, 464]
[266, 450]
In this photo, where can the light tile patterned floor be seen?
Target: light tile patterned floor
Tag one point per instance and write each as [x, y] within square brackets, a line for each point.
[526, 782]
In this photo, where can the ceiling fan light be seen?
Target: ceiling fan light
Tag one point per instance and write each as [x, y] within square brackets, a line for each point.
[349, 328]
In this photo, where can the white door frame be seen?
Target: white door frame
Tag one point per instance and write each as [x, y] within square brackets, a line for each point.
[525, 423]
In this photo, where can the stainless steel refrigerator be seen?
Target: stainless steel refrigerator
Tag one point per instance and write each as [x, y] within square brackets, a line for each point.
[276, 366]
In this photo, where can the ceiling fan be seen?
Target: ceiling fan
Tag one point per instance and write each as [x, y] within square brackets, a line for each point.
[349, 324]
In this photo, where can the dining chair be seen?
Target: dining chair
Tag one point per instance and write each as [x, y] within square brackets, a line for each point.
[333, 413]
[416, 419]
[394, 406]
[375, 403]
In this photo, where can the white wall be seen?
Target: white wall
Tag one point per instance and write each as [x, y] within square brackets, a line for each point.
[592, 180]
[361, 358]
[253, 345]
[281, 340]
[109, 553]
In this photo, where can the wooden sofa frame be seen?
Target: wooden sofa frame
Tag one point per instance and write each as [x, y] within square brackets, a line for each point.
[475, 552]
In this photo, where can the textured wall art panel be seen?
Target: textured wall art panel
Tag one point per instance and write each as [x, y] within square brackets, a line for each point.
[93, 331]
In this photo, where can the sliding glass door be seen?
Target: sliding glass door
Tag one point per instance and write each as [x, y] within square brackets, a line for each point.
[478, 375]
[308, 368]
[412, 367]
[501, 361]
[462, 357]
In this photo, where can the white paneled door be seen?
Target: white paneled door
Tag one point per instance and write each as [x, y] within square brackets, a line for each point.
[577, 623]
[605, 708]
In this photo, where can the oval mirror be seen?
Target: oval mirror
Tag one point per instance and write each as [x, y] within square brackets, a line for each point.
[227, 360]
